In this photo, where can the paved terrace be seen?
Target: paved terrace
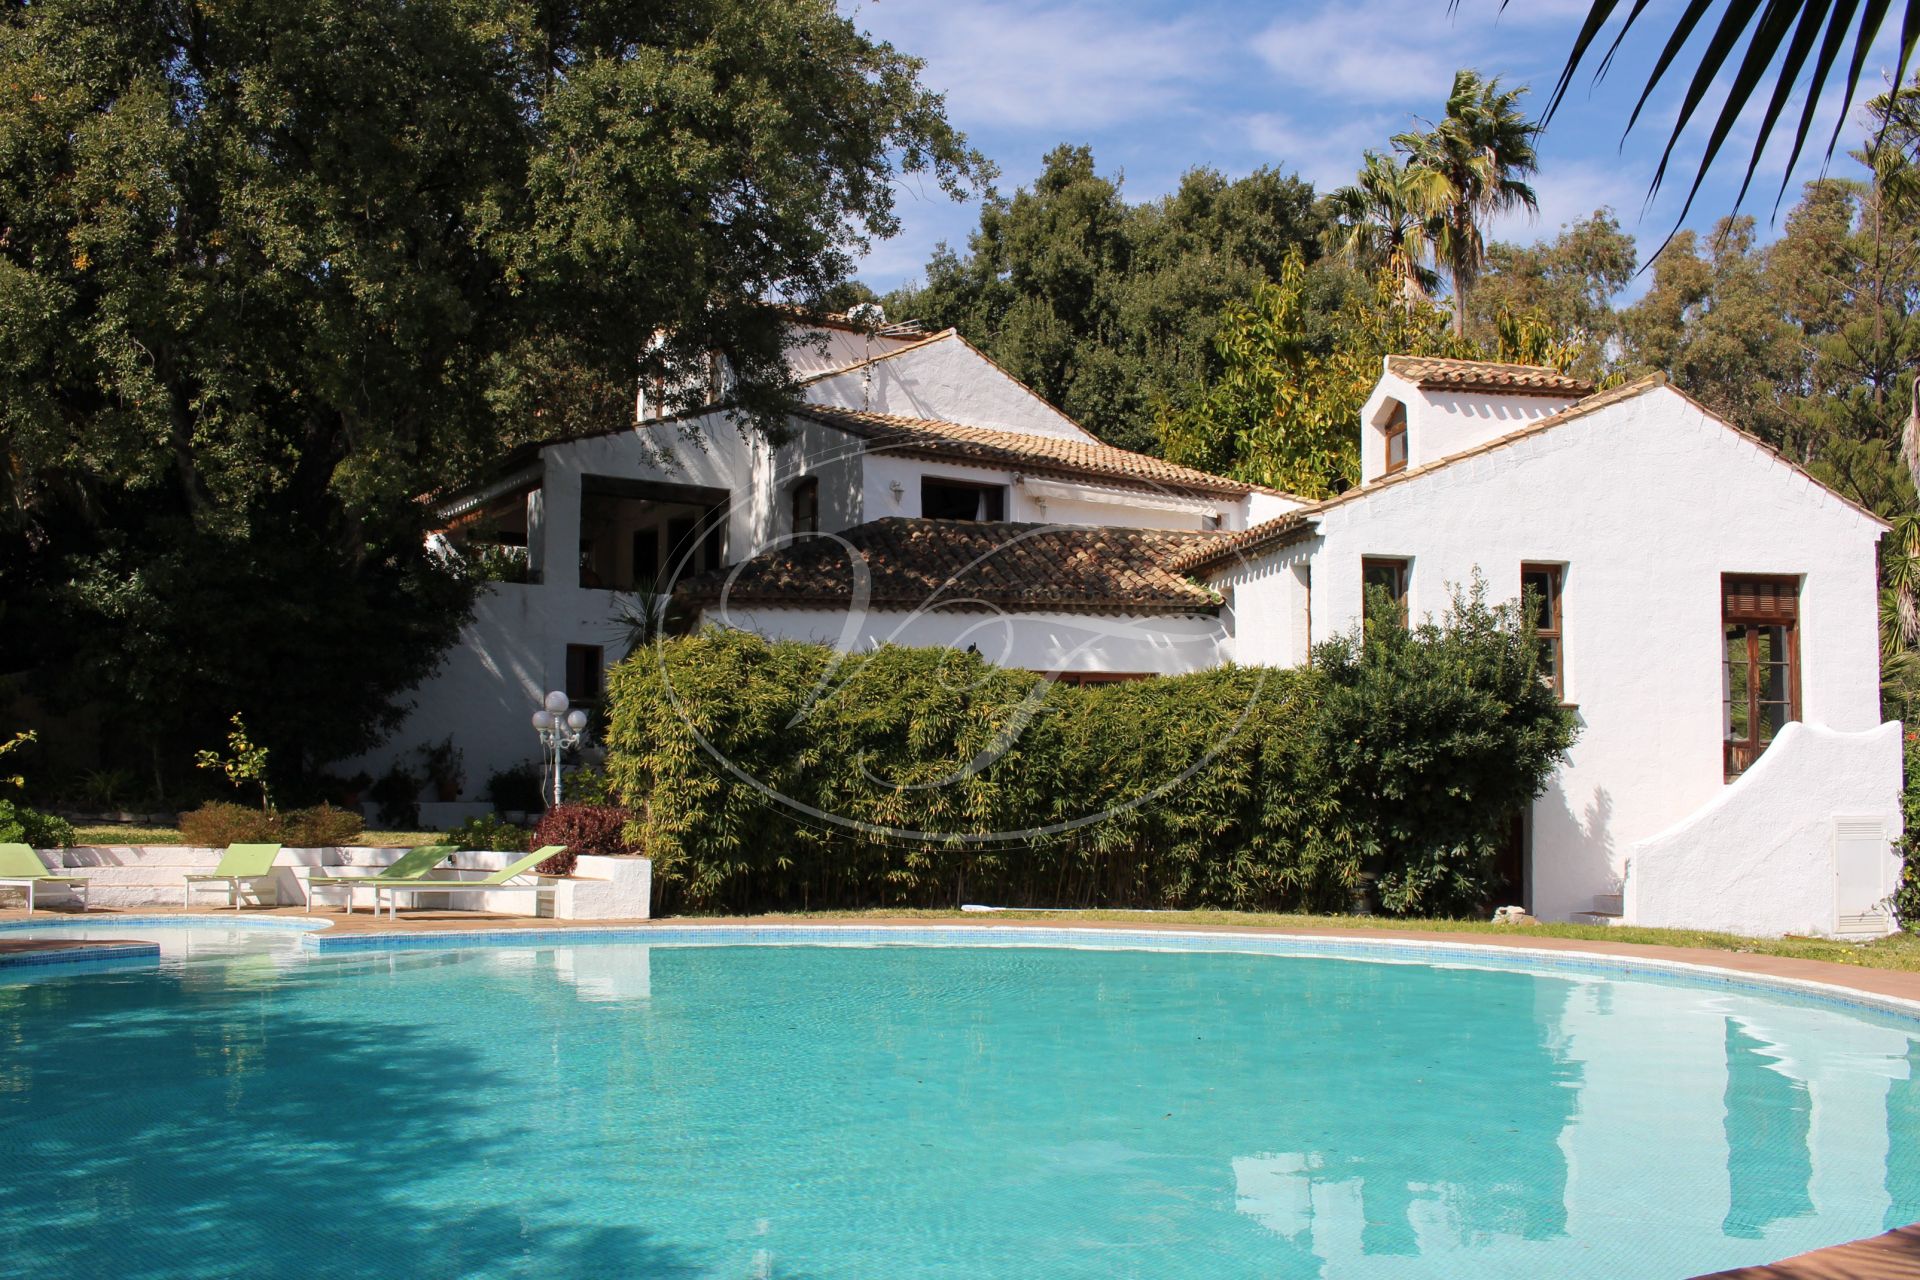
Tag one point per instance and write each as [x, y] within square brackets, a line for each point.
[1893, 1256]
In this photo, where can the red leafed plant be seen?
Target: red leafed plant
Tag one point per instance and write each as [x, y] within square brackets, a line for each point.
[584, 828]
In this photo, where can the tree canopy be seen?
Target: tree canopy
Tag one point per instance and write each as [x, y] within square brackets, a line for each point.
[269, 273]
[1106, 308]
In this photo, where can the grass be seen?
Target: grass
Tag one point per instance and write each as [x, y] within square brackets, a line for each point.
[1899, 952]
[126, 833]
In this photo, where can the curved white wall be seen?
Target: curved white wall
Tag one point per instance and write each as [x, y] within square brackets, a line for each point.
[1759, 859]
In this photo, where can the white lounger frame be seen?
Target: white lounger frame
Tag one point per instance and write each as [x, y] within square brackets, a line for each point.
[394, 890]
[73, 884]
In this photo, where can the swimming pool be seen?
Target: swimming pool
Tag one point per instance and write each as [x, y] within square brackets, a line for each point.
[260, 1105]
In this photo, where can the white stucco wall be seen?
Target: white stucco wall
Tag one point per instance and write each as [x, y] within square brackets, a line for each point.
[817, 349]
[1440, 423]
[1157, 644]
[1646, 502]
[1759, 858]
[948, 381]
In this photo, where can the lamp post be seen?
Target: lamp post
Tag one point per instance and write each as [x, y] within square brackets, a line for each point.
[559, 729]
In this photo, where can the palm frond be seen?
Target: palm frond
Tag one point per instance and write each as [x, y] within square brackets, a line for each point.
[1749, 34]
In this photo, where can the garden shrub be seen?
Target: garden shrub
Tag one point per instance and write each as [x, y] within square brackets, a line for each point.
[516, 789]
[21, 825]
[491, 833]
[1434, 737]
[1400, 754]
[320, 827]
[1200, 790]
[596, 829]
[219, 823]
[1906, 899]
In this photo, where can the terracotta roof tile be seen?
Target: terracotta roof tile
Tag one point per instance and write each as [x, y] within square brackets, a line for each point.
[1060, 454]
[965, 564]
[1435, 373]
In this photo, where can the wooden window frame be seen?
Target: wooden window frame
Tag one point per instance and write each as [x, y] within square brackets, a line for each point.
[1402, 567]
[1555, 632]
[806, 490]
[1755, 601]
[1395, 429]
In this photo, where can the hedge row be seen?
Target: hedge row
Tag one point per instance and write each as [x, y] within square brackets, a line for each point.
[764, 775]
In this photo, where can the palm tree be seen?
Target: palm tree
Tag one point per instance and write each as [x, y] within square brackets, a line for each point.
[1792, 25]
[1387, 220]
[1482, 150]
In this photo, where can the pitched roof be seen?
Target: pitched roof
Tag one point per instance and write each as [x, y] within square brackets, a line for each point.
[929, 437]
[1291, 525]
[1298, 523]
[1431, 373]
[915, 563]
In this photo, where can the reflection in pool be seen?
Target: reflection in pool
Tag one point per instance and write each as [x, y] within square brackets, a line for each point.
[958, 1112]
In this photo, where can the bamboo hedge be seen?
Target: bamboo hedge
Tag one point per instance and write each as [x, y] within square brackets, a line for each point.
[782, 776]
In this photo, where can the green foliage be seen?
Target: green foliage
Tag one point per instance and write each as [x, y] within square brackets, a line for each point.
[1285, 413]
[1565, 286]
[270, 272]
[245, 764]
[21, 825]
[18, 823]
[925, 777]
[397, 793]
[1106, 308]
[220, 823]
[588, 784]
[1436, 735]
[490, 833]
[516, 789]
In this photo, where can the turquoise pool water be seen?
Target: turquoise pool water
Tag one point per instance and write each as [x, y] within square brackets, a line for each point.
[254, 1108]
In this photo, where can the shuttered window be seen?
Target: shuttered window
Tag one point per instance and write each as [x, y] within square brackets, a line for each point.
[1760, 681]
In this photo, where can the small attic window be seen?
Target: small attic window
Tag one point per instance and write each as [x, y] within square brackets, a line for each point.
[1396, 439]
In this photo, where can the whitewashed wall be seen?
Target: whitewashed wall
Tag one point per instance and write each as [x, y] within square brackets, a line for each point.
[1646, 502]
[949, 381]
[1440, 423]
[1773, 833]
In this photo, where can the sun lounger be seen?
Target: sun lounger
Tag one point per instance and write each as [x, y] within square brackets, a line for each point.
[240, 864]
[410, 865]
[21, 868]
[491, 884]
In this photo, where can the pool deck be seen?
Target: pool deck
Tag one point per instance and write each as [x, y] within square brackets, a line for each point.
[1893, 1256]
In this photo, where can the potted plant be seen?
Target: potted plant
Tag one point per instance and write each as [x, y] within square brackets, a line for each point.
[445, 767]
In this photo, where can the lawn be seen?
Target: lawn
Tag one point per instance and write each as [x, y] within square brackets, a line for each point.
[1901, 951]
[119, 833]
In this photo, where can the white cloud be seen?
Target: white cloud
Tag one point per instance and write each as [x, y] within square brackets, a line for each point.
[1326, 156]
[1049, 66]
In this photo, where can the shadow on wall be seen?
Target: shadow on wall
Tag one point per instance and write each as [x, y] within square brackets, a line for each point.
[1573, 853]
[192, 1137]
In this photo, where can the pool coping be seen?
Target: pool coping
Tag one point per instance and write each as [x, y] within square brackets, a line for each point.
[1752, 972]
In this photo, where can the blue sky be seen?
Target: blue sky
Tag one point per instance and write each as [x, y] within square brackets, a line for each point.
[1303, 85]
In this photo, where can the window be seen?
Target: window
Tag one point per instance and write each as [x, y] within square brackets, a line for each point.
[1390, 576]
[1761, 682]
[958, 500]
[1541, 582]
[1396, 440]
[806, 506]
[583, 673]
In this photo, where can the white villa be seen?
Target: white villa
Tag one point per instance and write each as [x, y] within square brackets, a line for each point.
[1711, 608]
